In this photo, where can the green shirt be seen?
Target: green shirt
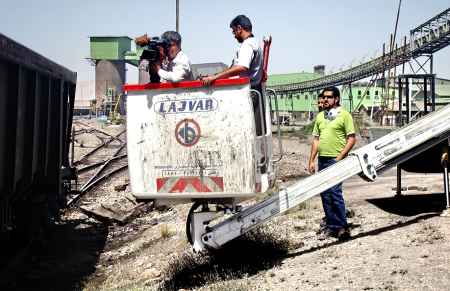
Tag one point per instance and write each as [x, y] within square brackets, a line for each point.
[333, 133]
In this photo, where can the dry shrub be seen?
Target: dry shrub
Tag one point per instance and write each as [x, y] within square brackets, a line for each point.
[230, 286]
[264, 195]
[300, 211]
[258, 250]
[166, 231]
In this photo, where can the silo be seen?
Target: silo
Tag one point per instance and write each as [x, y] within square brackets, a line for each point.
[110, 76]
[108, 55]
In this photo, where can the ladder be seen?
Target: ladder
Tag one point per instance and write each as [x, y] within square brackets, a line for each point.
[367, 161]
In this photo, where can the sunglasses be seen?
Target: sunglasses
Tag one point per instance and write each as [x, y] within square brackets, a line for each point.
[236, 29]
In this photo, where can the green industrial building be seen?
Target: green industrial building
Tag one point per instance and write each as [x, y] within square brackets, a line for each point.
[301, 106]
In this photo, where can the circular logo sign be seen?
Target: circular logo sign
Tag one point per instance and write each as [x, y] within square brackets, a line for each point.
[187, 132]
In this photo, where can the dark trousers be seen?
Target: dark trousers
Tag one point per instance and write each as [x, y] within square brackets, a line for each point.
[260, 121]
[333, 201]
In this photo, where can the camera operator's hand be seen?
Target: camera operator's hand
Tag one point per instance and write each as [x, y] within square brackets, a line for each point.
[154, 67]
[162, 54]
[142, 40]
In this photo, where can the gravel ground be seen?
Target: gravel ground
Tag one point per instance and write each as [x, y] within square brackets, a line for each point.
[398, 243]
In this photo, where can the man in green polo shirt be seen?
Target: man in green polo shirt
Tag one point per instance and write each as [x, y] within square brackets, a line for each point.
[334, 137]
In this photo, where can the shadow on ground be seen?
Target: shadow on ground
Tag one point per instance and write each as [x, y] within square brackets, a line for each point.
[363, 234]
[61, 262]
[256, 251]
[411, 205]
[420, 207]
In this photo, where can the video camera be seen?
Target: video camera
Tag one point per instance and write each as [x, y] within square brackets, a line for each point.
[151, 50]
[152, 53]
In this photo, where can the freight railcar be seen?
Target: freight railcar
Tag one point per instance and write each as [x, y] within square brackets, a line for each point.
[36, 104]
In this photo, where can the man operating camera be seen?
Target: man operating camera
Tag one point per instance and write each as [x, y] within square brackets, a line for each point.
[170, 64]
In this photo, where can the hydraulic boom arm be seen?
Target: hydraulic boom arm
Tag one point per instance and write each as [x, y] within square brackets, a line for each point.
[379, 155]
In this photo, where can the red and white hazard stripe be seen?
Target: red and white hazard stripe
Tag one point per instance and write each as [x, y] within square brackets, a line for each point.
[189, 184]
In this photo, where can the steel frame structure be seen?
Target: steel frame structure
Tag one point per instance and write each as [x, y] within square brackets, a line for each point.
[429, 102]
[427, 38]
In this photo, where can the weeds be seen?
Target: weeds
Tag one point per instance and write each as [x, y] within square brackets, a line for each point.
[230, 286]
[256, 251]
[300, 211]
[264, 195]
[166, 231]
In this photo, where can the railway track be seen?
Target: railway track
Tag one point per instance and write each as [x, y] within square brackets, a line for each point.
[97, 155]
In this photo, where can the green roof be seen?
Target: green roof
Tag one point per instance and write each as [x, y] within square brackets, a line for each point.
[285, 79]
[109, 47]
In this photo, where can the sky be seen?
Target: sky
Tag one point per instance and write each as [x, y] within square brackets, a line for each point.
[334, 33]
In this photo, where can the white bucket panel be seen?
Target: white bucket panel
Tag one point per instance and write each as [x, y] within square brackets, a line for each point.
[191, 142]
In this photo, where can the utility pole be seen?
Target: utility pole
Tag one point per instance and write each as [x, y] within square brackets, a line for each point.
[178, 16]
[392, 48]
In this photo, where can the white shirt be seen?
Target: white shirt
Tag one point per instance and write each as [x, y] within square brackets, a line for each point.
[249, 55]
[177, 70]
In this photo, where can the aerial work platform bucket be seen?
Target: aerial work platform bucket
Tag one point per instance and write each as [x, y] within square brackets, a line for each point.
[188, 142]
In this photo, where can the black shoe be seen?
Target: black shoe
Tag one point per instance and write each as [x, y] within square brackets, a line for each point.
[349, 213]
[343, 234]
[325, 234]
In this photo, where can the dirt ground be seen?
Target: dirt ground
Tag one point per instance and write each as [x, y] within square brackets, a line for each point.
[397, 243]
